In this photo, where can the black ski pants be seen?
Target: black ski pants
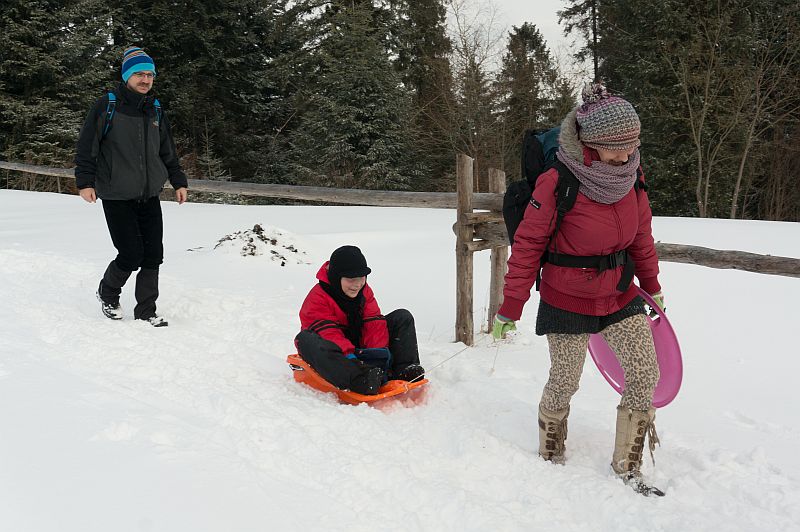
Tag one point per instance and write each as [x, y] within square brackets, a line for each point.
[328, 360]
[137, 231]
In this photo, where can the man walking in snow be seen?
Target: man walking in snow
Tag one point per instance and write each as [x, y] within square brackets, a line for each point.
[125, 155]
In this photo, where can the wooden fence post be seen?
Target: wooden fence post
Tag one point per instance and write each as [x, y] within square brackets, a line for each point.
[497, 183]
[464, 322]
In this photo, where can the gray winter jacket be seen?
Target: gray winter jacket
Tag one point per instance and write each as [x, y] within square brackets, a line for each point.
[137, 155]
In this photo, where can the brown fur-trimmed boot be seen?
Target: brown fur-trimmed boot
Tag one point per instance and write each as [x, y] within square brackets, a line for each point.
[552, 434]
[633, 428]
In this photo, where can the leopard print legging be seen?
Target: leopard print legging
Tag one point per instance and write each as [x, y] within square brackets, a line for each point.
[630, 339]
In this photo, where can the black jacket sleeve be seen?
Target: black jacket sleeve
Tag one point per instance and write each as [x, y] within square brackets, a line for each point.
[89, 145]
[169, 155]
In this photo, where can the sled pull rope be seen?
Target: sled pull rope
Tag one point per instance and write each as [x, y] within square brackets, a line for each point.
[454, 355]
[496, 352]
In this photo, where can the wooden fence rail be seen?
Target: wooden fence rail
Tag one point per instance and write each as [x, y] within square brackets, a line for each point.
[729, 259]
[475, 231]
[380, 198]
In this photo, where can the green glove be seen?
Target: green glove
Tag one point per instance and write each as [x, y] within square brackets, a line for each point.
[501, 326]
[658, 297]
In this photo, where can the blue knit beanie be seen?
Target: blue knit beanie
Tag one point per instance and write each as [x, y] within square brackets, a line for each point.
[136, 60]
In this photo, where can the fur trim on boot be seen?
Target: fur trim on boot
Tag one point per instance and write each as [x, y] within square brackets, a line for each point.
[552, 434]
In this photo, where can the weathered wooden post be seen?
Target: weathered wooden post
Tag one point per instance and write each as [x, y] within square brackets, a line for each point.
[497, 183]
[464, 232]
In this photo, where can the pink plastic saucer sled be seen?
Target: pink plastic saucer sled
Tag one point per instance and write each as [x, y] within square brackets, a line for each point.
[668, 352]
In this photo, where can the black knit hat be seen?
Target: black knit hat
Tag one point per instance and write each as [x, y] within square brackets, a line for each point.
[348, 261]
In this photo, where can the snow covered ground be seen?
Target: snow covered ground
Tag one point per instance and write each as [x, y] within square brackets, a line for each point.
[118, 426]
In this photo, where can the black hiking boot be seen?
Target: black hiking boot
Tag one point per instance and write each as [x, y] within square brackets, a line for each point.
[411, 372]
[156, 321]
[110, 310]
[367, 382]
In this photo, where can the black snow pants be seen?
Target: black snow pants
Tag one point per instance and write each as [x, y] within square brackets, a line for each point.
[137, 231]
[328, 360]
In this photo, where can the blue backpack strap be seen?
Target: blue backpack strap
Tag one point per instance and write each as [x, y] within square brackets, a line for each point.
[110, 108]
[157, 106]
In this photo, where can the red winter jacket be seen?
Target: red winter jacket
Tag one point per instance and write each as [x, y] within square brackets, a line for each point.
[588, 229]
[321, 314]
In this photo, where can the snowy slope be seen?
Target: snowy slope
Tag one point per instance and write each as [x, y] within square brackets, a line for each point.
[117, 426]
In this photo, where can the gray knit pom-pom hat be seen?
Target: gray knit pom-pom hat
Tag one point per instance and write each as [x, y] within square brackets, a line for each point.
[606, 121]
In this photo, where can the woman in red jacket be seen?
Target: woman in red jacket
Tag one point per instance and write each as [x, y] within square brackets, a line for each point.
[611, 218]
[344, 336]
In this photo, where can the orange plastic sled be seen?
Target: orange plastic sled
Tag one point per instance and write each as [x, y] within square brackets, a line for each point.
[412, 392]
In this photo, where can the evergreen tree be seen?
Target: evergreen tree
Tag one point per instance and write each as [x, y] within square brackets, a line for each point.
[710, 80]
[475, 121]
[531, 92]
[635, 39]
[582, 17]
[422, 50]
[218, 70]
[48, 74]
[353, 132]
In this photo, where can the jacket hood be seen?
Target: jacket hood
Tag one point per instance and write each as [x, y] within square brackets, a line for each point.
[570, 140]
[322, 273]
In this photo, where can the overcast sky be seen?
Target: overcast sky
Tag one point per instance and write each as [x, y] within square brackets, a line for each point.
[542, 13]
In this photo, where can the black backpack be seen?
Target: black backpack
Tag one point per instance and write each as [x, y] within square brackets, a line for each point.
[539, 148]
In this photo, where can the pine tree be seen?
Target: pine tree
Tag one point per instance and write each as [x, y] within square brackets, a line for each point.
[422, 50]
[630, 41]
[582, 17]
[710, 80]
[353, 132]
[219, 68]
[475, 120]
[530, 90]
[48, 75]
[679, 64]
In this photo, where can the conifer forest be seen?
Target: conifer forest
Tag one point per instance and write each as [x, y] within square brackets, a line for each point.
[382, 94]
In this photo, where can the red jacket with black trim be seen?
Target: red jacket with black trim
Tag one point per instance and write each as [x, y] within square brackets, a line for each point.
[321, 314]
[590, 228]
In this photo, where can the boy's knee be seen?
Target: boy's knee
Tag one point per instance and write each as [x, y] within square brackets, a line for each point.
[303, 339]
[401, 315]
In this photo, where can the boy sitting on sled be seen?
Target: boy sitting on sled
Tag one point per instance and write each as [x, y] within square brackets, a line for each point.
[344, 336]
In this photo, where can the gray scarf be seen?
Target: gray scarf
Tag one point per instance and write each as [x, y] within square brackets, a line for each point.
[600, 182]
